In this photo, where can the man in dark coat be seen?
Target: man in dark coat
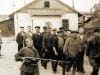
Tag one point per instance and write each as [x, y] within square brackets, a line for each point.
[93, 52]
[48, 46]
[55, 57]
[20, 39]
[44, 31]
[37, 40]
[83, 39]
[29, 66]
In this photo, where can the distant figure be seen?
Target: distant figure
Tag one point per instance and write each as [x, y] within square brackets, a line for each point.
[29, 31]
[28, 34]
[0, 41]
[20, 39]
[44, 31]
[37, 40]
[83, 39]
[30, 64]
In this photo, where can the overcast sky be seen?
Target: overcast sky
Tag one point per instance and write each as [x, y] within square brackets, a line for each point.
[6, 6]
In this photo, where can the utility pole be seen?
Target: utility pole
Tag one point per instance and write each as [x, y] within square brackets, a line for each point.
[13, 6]
[73, 4]
[24, 2]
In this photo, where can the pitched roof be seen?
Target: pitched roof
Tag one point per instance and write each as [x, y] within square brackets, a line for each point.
[55, 0]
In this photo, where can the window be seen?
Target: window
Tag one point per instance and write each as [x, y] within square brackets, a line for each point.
[47, 4]
[65, 23]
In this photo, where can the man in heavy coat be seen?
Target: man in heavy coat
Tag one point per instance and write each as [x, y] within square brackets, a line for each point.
[72, 49]
[30, 65]
[20, 39]
[93, 52]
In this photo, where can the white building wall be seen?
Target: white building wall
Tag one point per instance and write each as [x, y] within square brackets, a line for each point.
[73, 20]
[55, 21]
[22, 19]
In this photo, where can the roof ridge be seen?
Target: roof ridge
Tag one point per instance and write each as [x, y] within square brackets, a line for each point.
[37, 0]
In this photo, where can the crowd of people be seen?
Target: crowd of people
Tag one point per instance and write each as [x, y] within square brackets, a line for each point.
[60, 45]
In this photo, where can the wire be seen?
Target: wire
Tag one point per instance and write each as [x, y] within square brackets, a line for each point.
[33, 58]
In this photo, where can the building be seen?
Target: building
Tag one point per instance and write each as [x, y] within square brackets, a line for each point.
[93, 22]
[51, 13]
[7, 27]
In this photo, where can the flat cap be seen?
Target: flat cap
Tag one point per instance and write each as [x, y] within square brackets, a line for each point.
[37, 27]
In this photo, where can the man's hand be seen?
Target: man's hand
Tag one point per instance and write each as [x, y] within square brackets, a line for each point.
[46, 50]
[55, 51]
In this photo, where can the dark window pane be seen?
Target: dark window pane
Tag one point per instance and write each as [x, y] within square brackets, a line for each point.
[47, 4]
[65, 23]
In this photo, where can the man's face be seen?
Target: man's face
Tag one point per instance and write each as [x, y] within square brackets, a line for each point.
[29, 28]
[44, 29]
[21, 29]
[49, 31]
[81, 30]
[37, 30]
[74, 35]
[54, 32]
[60, 34]
[68, 33]
[29, 44]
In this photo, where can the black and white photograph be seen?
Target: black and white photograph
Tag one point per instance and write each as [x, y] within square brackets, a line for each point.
[49, 37]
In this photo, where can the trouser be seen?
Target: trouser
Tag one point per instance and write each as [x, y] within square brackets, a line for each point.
[73, 63]
[60, 54]
[70, 62]
[28, 73]
[80, 66]
[48, 55]
[28, 69]
[95, 63]
[58, 58]
[54, 63]
[95, 71]
[20, 46]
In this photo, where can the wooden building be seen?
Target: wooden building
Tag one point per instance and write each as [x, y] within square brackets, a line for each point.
[52, 13]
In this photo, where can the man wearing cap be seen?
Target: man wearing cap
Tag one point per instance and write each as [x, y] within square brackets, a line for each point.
[48, 46]
[28, 34]
[83, 39]
[67, 34]
[93, 52]
[37, 40]
[55, 57]
[44, 31]
[71, 49]
[20, 39]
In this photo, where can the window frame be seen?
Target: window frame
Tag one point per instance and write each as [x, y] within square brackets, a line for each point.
[46, 4]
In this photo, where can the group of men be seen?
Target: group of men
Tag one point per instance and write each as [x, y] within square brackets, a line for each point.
[62, 45]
